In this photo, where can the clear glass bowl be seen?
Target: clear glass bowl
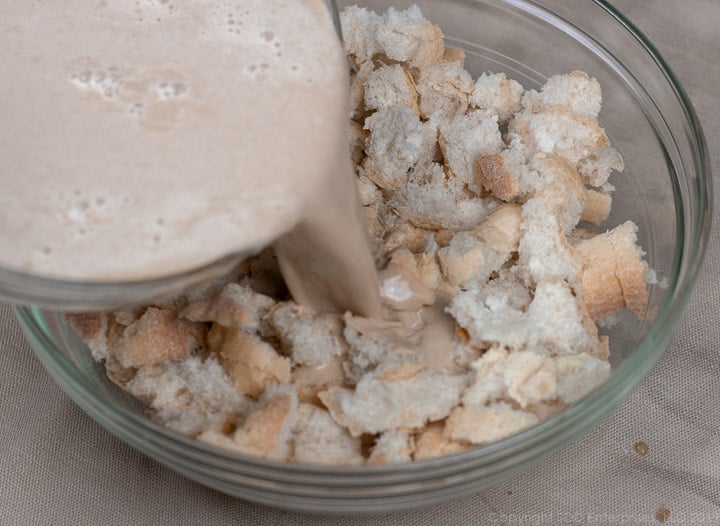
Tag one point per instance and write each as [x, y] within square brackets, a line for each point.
[665, 190]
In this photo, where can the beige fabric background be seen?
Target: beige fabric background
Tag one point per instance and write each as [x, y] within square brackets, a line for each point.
[57, 467]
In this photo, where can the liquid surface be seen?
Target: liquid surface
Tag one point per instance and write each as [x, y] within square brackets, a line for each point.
[143, 139]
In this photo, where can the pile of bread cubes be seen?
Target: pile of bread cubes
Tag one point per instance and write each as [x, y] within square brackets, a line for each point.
[472, 187]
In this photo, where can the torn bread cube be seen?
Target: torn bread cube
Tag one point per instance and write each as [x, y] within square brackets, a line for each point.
[613, 273]
[318, 439]
[523, 377]
[468, 259]
[251, 363]
[486, 424]
[307, 337]
[552, 323]
[392, 447]
[398, 143]
[544, 252]
[434, 201]
[159, 335]
[579, 374]
[235, 306]
[407, 36]
[359, 30]
[597, 168]
[472, 257]
[431, 442]
[266, 432]
[463, 139]
[597, 207]
[375, 406]
[444, 89]
[190, 396]
[506, 175]
[577, 91]
[391, 87]
[495, 93]
[559, 131]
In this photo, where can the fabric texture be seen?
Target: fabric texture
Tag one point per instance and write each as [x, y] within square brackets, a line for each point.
[60, 468]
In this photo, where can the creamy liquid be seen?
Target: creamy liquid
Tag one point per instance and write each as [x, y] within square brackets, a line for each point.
[144, 138]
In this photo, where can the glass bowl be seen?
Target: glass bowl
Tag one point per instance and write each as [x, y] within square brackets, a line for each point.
[665, 190]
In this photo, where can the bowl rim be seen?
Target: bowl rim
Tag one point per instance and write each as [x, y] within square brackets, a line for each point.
[542, 439]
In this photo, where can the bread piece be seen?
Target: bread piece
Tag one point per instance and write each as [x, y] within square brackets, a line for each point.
[551, 324]
[613, 272]
[597, 207]
[319, 440]
[407, 36]
[597, 168]
[544, 253]
[423, 267]
[577, 375]
[577, 91]
[158, 336]
[483, 425]
[559, 131]
[359, 30]
[454, 54]
[251, 363]
[92, 328]
[267, 430]
[375, 406]
[505, 175]
[307, 337]
[523, 377]
[398, 143]
[189, 396]
[463, 139]
[433, 201]
[431, 442]
[392, 447]
[444, 89]
[235, 306]
[391, 87]
[495, 93]
[561, 189]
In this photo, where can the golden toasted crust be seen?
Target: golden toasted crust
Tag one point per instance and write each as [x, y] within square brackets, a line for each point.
[251, 363]
[492, 175]
[158, 336]
[613, 273]
[597, 207]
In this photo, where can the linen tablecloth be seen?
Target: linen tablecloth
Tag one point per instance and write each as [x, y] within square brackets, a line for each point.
[57, 467]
